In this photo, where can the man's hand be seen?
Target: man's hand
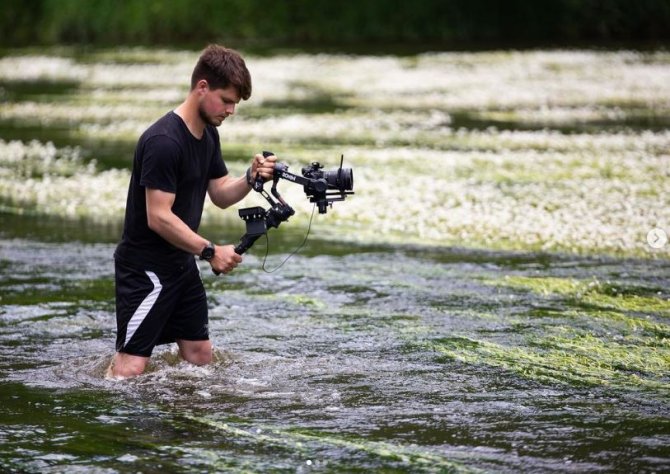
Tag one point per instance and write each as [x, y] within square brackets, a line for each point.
[263, 166]
[225, 259]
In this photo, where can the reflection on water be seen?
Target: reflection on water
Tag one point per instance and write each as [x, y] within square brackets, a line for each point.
[337, 363]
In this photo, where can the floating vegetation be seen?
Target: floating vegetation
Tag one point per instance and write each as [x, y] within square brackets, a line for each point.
[613, 341]
[421, 137]
[593, 292]
[37, 178]
[308, 445]
[573, 357]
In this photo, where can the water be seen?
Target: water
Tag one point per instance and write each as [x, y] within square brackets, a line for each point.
[329, 364]
[456, 315]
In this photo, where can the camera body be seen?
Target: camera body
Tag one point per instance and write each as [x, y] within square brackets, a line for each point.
[341, 179]
[324, 187]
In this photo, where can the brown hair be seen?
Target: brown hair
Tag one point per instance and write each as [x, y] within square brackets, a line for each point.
[222, 67]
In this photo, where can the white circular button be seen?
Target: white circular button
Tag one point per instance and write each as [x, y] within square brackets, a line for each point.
[657, 238]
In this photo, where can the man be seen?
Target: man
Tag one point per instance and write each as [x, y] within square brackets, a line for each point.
[160, 297]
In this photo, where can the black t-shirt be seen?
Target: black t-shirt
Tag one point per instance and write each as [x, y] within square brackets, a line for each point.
[169, 158]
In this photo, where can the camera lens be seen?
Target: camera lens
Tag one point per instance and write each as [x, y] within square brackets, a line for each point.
[341, 178]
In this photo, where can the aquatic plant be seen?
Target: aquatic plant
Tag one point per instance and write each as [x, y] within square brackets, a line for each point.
[592, 292]
[40, 178]
[430, 164]
[579, 359]
[613, 340]
[310, 443]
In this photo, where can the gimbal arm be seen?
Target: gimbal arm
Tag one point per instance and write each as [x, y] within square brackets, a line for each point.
[259, 220]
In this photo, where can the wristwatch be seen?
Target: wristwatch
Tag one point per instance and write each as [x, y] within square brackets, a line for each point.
[208, 252]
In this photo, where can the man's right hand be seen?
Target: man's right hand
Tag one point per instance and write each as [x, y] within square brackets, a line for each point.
[225, 259]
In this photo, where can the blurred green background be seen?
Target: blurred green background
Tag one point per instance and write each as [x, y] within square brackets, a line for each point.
[438, 24]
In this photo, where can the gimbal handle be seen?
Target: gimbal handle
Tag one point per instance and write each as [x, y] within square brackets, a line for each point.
[246, 241]
[258, 183]
[245, 244]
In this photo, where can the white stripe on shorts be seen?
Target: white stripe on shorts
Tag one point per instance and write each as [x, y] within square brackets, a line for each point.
[144, 307]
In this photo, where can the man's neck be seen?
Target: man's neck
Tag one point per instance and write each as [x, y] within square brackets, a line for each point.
[188, 111]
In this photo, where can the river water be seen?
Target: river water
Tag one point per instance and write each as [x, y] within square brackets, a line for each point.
[331, 364]
[487, 301]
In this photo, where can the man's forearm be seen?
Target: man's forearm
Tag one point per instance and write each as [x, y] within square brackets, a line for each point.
[229, 192]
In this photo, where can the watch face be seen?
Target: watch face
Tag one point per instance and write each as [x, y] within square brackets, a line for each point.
[208, 252]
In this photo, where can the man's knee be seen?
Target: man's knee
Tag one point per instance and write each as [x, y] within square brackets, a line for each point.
[196, 352]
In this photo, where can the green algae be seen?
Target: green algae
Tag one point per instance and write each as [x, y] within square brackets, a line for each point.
[613, 338]
[41, 290]
[309, 443]
[589, 292]
[577, 359]
[306, 300]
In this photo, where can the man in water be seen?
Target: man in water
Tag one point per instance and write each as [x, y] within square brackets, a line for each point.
[160, 297]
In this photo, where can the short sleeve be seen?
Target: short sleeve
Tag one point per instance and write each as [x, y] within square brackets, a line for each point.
[217, 168]
[160, 164]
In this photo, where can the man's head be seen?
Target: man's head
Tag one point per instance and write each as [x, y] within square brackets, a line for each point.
[222, 68]
[220, 80]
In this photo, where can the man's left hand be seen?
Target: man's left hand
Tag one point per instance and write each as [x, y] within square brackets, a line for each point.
[264, 166]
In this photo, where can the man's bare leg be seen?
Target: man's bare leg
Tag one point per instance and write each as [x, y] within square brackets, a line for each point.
[195, 352]
[126, 365]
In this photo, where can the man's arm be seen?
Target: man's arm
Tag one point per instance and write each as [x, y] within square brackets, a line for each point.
[227, 190]
[168, 225]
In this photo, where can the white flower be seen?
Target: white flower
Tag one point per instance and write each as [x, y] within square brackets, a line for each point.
[422, 172]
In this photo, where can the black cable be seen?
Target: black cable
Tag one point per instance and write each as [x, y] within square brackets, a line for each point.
[267, 246]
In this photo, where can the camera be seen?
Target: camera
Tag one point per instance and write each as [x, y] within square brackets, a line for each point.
[321, 187]
[324, 187]
[341, 179]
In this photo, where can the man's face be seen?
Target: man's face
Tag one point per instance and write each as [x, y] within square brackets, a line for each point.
[217, 104]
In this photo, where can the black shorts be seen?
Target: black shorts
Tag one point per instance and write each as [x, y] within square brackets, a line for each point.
[153, 309]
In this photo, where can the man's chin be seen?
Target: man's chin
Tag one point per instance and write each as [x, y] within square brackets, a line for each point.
[213, 121]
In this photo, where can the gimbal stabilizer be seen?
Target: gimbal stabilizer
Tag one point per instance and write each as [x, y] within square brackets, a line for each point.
[322, 187]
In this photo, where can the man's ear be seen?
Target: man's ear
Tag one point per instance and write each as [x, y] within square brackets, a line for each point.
[202, 86]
